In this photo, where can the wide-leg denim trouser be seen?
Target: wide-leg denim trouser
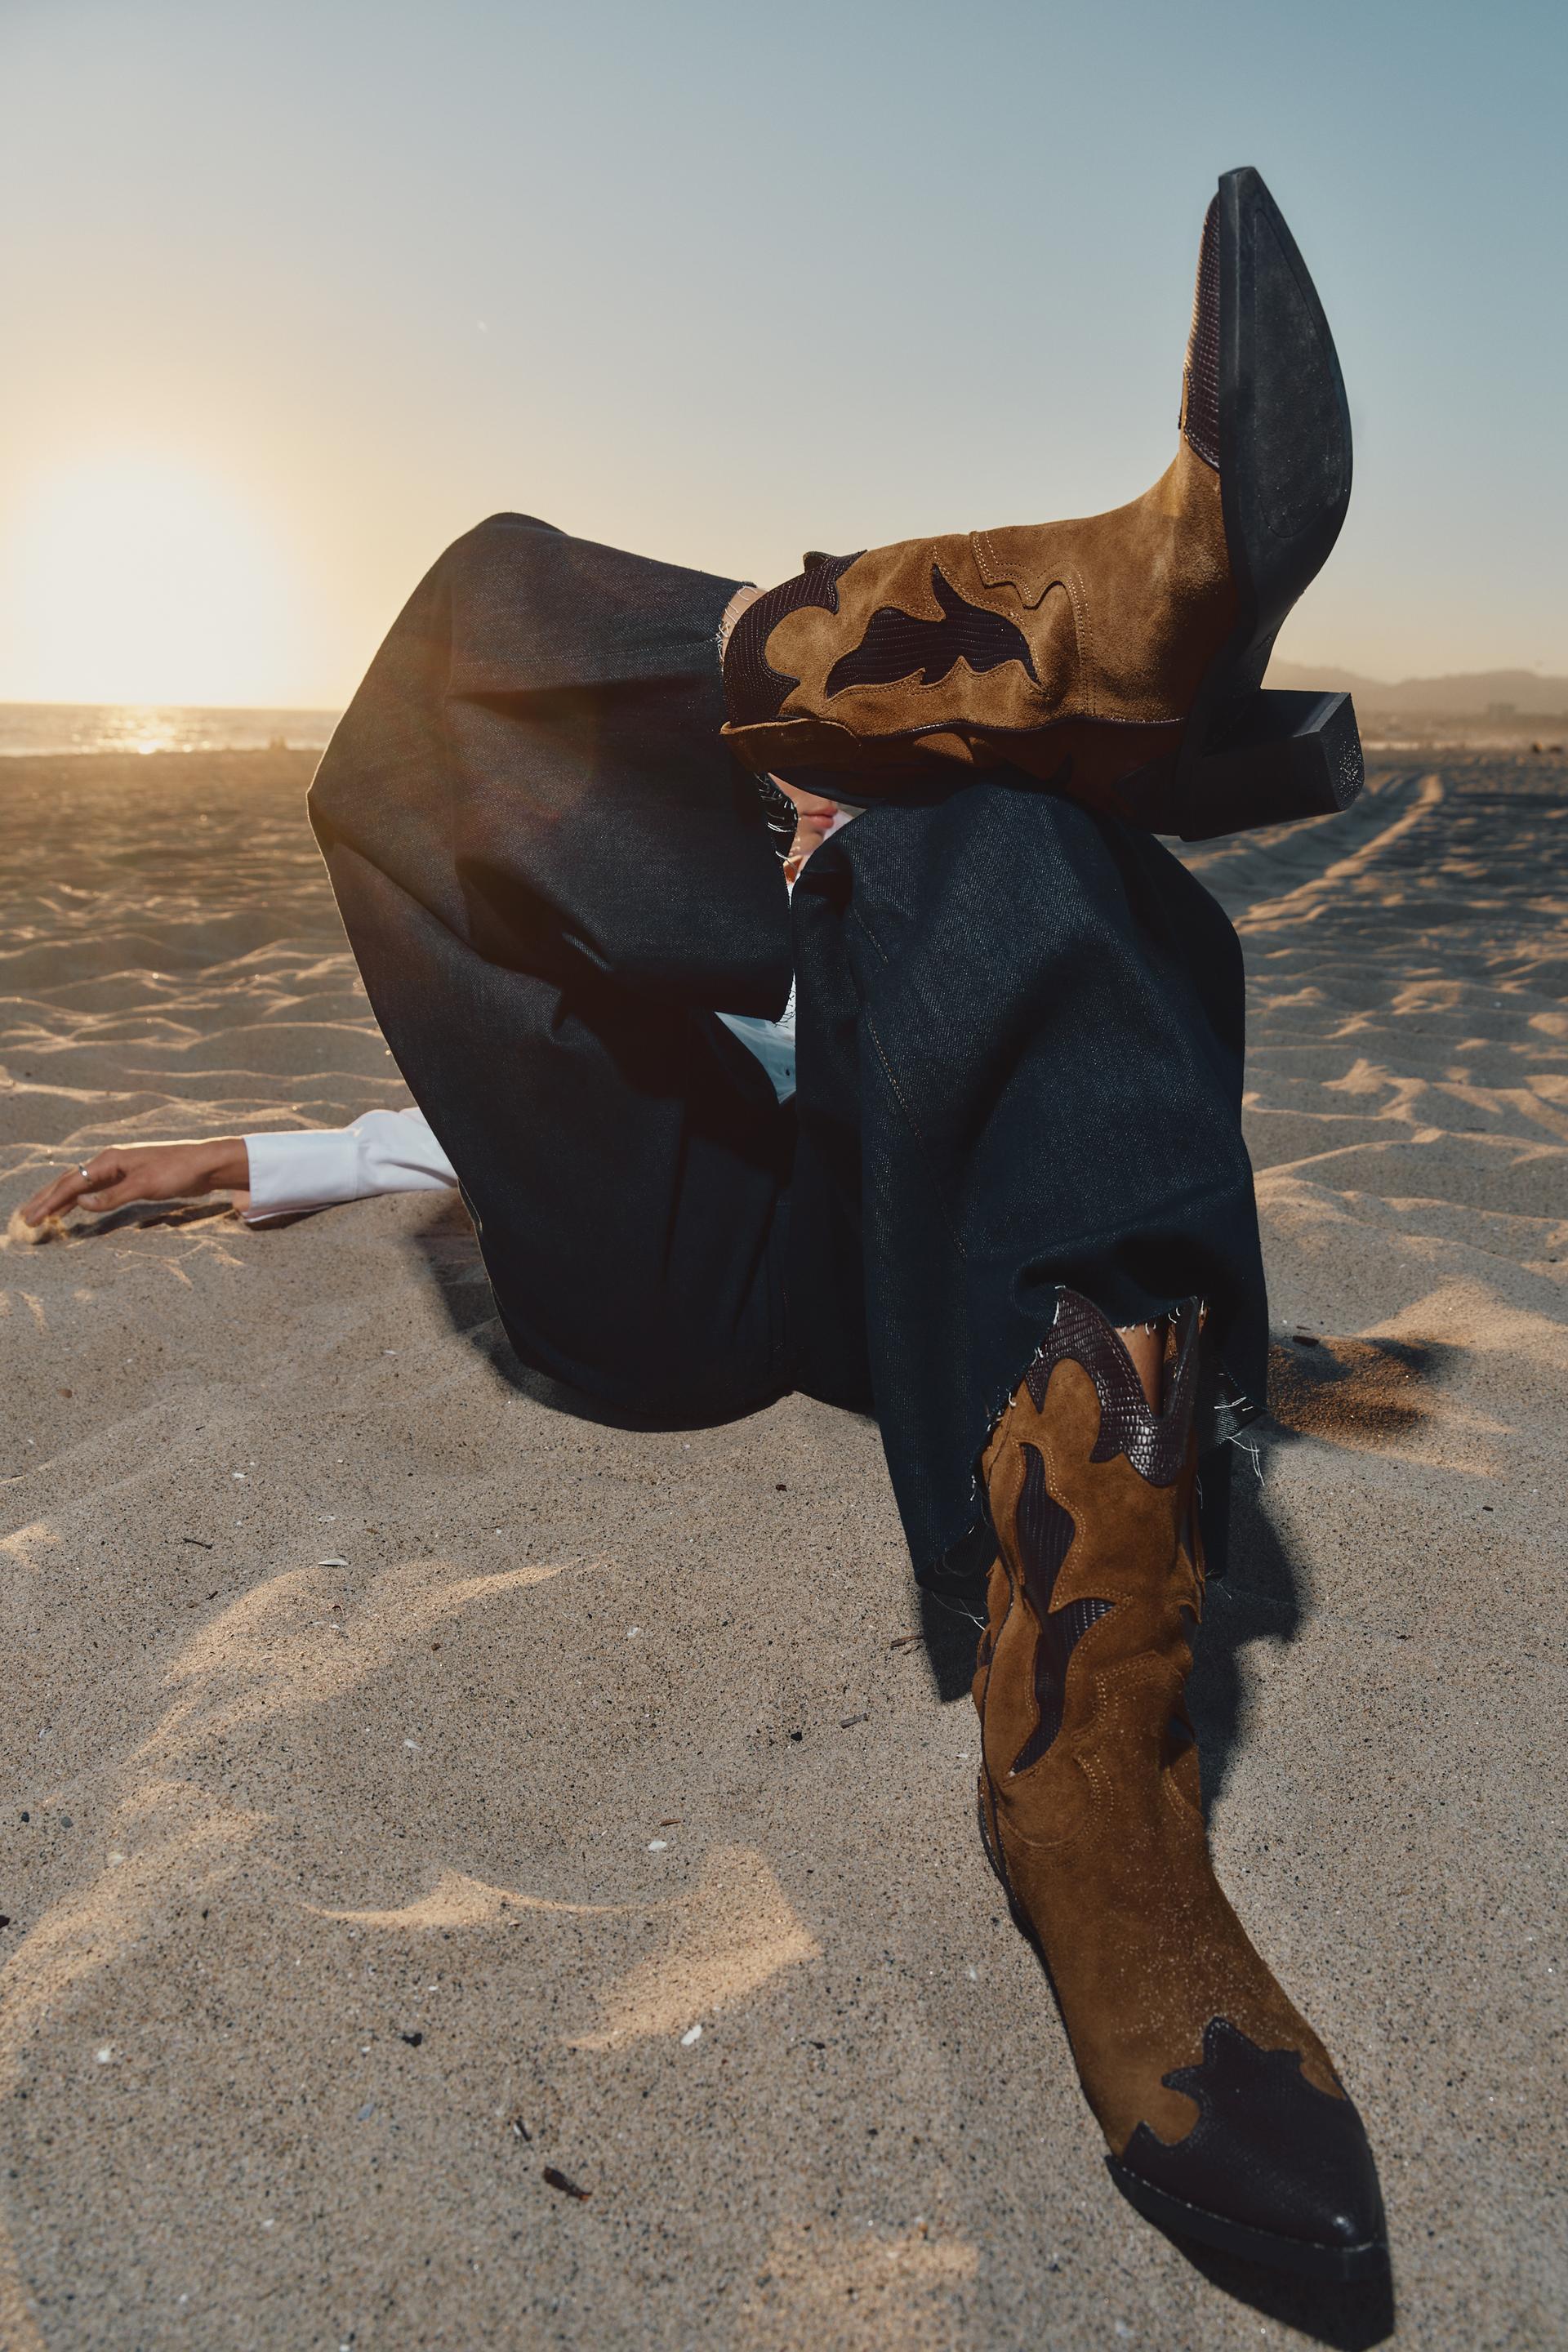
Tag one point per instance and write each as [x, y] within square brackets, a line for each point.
[1019, 1035]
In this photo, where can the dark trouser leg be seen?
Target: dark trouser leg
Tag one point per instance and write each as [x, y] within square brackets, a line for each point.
[1020, 1071]
[1050, 1057]
[1020, 1068]
[1020, 1028]
[626, 1163]
[549, 870]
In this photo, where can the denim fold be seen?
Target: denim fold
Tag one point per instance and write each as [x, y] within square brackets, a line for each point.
[1020, 1040]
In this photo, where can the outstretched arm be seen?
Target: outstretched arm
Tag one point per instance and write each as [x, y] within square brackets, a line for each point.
[144, 1171]
[270, 1175]
[314, 1168]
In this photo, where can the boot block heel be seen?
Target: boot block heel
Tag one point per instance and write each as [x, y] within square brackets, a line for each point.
[1280, 756]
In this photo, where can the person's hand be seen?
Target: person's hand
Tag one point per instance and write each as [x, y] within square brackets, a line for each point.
[143, 1171]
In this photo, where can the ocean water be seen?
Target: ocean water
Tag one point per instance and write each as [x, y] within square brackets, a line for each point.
[33, 727]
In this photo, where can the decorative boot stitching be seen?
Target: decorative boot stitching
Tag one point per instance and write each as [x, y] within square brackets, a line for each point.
[755, 691]
[1087, 667]
[1180, 1734]
[1045, 1533]
[897, 645]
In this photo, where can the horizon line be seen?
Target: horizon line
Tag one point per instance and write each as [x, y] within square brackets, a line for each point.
[336, 709]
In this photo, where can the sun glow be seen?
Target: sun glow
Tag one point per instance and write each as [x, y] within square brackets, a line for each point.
[135, 577]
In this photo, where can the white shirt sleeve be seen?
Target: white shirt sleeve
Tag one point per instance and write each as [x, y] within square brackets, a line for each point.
[383, 1151]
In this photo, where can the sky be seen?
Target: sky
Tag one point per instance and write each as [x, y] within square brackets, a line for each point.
[292, 292]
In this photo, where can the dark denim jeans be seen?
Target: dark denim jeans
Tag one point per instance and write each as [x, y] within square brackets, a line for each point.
[1019, 1049]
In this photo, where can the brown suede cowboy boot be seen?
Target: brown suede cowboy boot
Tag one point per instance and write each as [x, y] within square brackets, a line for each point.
[1118, 660]
[1225, 2117]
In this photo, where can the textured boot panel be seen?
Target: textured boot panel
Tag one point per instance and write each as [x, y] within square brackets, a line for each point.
[899, 645]
[1091, 1781]
[1153, 584]
[1200, 377]
[1302, 455]
[1059, 1637]
[754, 690]
[1045, 1534]
[1155, 1444]
[1269, 2147]
[926, 597]
[1125, 1548]
[993, 640]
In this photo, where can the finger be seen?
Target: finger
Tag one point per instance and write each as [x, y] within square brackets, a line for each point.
[55, 1197]
[112, 1196]
[110, 1181]
[82, 1186]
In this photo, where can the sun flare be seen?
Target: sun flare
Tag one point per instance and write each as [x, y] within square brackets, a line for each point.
[136, 577]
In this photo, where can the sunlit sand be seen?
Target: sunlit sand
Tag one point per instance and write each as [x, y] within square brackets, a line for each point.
[399, 1771]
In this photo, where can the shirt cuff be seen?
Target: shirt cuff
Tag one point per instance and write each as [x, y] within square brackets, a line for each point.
[290, 1174]
[383, 1151]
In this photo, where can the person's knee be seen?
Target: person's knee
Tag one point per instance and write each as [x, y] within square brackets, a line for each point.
[649, 1375]
[498, 547]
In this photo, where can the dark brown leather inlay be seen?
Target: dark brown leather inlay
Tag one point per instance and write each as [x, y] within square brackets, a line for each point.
[1045, 1533]
[753, 689]
[1155, 1443]
[1200, 382]
[899, 645]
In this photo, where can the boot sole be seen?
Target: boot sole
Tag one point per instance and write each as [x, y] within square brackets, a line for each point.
[1335, 2264]
[1271, 758]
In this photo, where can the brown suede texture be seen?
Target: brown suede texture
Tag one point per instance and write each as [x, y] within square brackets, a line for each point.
[1123, 615]
[1101, 1840]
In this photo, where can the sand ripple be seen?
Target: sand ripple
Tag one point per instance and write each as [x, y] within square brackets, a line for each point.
[408, 1765]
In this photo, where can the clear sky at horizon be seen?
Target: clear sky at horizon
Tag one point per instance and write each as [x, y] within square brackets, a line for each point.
[294, 291]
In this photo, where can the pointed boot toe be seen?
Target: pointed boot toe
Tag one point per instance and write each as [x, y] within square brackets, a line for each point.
[1119, 658]
[1273, 2169]
[1223, 2113]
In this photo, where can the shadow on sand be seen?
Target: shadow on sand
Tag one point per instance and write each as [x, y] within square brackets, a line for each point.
[1255, 1593]
[1351, 2318]
[446, 1248]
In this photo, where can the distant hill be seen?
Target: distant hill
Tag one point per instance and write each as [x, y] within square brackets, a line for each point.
[1473, 695]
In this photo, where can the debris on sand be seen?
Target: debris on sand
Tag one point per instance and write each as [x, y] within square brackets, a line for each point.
[567, 2187]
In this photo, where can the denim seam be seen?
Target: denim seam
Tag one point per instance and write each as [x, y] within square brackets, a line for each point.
[854, 916]
[914, 1129]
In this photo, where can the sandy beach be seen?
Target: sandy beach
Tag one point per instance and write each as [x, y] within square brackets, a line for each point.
[476, 1876]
